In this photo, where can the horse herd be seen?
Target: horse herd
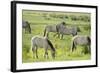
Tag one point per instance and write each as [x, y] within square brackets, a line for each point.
[60, 30]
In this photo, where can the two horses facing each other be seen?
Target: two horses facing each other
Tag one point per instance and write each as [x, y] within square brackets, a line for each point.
[61, 29]
[42, 42]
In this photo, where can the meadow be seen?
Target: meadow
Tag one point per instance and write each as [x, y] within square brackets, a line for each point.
[39, 19]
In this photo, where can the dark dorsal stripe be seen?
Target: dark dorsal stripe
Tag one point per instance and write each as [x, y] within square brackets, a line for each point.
[49, 42]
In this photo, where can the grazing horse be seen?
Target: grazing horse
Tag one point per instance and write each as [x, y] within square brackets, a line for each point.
[81, 40]
[53, 28]
[26, 25]
[42, 42]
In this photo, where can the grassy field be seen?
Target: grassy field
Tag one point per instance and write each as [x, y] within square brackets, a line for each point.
[38, 20]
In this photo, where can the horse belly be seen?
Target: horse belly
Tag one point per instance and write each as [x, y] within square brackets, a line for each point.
[65, 31]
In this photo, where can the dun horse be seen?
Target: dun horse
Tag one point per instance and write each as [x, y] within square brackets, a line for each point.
[61, 29]
[81, 40]
[67, 31]
[42, 42]
[53, 28]
[26, 25]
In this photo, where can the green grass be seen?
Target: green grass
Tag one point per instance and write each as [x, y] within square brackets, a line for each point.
[62, 46]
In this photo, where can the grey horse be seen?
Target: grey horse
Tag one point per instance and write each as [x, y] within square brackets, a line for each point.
[68, 30]
[38, 42]
[53, 28]
[81, 40]
[26, 26]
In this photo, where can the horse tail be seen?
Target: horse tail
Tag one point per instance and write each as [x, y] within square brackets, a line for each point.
[51, 45]
[44, 31]
[57, 29]
[89, 39]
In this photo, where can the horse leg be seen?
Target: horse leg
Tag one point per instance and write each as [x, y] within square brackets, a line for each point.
[73, 47]
[75, 33]
[33, 50]
[46, 54]
[36, 52]
[30, 30]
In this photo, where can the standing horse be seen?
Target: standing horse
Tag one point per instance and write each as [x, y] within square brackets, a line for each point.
[67, 31]
[81, 40]
[52, 28]
[42, 42]
[26, 25]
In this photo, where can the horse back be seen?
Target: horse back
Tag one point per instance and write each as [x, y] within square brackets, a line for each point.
[51, 28]
[40, 42]
[81, 40]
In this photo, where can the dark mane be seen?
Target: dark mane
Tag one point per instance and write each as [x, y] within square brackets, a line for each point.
[49, 42]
